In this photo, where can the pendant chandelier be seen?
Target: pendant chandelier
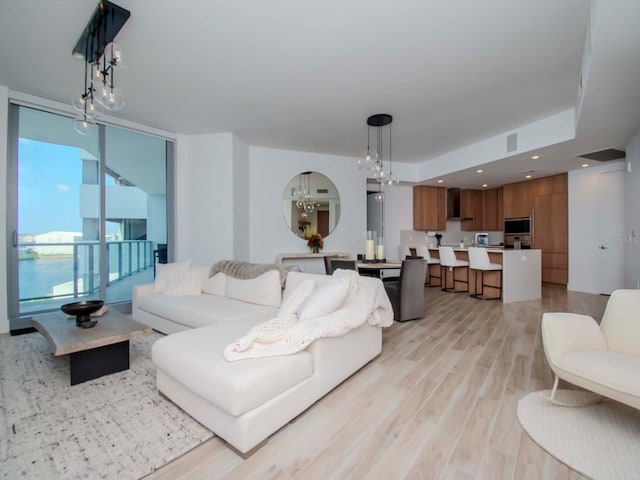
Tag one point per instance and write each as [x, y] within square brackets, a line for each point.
[375, 154]
[102, 57]
[303, 194]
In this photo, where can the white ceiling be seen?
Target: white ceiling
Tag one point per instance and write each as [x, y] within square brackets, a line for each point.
[305, 76]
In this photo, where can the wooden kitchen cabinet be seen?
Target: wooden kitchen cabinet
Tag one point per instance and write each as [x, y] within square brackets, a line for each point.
[550, 233]
[481, 210]
[429, 208]
[471, 206]
[545, 200]
[517, 199]
[492, 217]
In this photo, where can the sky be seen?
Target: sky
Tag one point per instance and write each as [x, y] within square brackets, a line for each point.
[49, 176]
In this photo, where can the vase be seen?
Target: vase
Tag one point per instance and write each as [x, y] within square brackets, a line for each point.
[315, 249]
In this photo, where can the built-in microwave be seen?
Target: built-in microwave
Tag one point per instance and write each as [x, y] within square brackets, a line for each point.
[517, 226]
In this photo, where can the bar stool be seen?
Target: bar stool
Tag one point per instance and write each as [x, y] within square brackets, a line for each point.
[423, 251]
[448, 260]
[479, 261]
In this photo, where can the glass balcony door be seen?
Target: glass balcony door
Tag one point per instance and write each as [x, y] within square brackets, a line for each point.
[65, 190]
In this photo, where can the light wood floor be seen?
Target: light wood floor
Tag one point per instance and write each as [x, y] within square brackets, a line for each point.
[440, 402]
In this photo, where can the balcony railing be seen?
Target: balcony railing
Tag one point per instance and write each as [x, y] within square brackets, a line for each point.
[63, 270]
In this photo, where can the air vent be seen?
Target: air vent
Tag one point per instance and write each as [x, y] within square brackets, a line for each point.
[607, 155]
[512, 142]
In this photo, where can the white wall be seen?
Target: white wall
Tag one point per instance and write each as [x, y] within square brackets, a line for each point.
[270, 172]
[633, 212]
[584, 232]
[241, 197]
[204, 191]
[398, 215]
[4, 113]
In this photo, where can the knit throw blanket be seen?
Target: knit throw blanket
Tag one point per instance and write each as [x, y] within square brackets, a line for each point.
[366, 301]
[246, 270]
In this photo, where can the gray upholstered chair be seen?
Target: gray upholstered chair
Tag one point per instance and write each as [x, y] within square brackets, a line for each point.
[335, 264]
[407, 293]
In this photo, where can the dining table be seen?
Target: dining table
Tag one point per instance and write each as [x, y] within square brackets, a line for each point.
[374, 269]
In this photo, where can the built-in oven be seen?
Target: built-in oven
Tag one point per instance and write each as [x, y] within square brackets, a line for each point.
[517, 232]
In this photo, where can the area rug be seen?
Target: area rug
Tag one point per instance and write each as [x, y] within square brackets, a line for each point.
[600, 441]
[116, 426]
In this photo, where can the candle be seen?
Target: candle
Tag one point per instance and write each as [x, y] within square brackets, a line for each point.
[369, 250]
[380, 252]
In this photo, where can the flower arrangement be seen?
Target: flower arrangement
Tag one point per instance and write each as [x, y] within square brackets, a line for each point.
[313, 238]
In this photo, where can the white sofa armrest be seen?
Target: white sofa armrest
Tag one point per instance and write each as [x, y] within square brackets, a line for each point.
[140, 291]
[564, 333]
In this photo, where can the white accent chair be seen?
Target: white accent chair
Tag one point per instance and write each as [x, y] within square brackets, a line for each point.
[605, 358]
[448, 261]
[423, 251]
[480, 262]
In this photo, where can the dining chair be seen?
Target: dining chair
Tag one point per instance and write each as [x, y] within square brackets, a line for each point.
[335, 264]
[407, 293]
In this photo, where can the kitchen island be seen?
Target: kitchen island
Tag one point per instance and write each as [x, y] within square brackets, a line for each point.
[521, 273]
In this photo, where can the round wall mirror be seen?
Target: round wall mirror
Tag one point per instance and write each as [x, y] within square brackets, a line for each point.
[311, 201]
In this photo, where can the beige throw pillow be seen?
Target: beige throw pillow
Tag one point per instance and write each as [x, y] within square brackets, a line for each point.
[183, 282]
[163, 270]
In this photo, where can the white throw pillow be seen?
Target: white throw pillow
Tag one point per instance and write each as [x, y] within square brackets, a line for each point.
[294, 300]
[183, 282]
[163, 270]
[216, 285]
[262, 290]
[325, 299]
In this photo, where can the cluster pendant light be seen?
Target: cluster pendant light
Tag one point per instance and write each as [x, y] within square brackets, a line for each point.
[102, 57]
[375, 155]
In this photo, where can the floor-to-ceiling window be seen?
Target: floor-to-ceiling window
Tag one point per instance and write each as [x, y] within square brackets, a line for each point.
[88, 213]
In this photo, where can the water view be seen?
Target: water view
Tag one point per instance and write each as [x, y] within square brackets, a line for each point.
[38, 276]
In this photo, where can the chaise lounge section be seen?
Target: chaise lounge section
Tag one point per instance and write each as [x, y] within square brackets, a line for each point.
[246, 400]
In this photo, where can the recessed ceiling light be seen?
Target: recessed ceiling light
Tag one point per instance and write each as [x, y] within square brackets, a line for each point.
[479, 170]
[535, 157]
[584, 165]
[440, 181]
[527, 176]
[485, 185]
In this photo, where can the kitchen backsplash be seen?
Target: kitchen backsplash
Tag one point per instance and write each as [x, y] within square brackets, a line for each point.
[451, 236]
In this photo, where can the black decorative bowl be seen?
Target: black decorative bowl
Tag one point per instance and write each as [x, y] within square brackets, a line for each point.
[82, 311]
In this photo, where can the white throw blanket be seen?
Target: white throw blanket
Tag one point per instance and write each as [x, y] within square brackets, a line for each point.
[366, 301]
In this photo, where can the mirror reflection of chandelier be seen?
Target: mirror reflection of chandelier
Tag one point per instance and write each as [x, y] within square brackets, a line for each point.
[303, 194]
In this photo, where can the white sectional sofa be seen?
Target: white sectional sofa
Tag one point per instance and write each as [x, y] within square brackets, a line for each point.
[247, 400]
[193, 300]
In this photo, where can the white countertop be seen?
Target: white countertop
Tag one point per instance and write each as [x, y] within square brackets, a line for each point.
[490, 249]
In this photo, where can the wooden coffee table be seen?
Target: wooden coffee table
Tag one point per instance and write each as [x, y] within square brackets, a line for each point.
[93, 352]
